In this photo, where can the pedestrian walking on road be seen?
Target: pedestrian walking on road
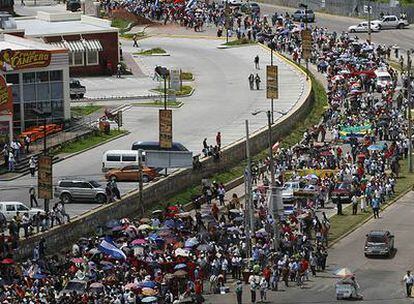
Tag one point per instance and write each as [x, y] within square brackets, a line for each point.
[118, 70]
[251, 81]
[32, 194]
[135, 39]
[258, 81]
[354, 205]
[375, 205]
[239, 292]
[218, 140]
[256, 62]
[27, 142]
[409, 280]
[11, 161]
[253, 287]
[32, 166]
[263, 290]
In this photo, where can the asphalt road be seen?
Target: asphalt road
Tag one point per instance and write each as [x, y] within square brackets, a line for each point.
[222, 102]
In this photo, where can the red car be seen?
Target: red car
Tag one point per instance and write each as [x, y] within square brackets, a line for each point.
[342, 193]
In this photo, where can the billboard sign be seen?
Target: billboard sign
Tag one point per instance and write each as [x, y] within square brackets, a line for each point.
[165, 129]
[272, 82]
[11, 60]
[6, 99]
[45, 181]
[169, 159]
[306, 44]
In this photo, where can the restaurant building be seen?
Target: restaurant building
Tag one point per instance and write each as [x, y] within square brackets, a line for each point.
[92, 44]
[38, 77]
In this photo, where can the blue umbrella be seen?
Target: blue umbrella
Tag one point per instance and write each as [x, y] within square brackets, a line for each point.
[180, 266]
[376, 147]
[112, 223]
[39, 276]
[149, 284]
[170, 223]
[191, 242]
[155, 238]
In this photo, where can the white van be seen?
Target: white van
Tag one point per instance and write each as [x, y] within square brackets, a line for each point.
[117, 159]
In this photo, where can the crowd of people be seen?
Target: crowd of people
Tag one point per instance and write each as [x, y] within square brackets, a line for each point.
[179, 256]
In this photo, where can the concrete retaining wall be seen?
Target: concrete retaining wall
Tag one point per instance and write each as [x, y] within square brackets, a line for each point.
[60, 237]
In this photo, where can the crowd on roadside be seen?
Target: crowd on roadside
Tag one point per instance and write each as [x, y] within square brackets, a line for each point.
[13, 152]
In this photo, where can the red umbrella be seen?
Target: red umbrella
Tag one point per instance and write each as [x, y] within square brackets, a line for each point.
[78, 260]
[7, 261]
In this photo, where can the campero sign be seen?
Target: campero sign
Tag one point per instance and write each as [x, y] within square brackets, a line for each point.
[11, 60]
[5, 96]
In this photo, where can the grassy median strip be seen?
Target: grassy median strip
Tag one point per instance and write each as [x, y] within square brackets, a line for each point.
[84, 111]
[240, 42]
[86, 142]
[185, 90]
[159, 104]
[151, 52]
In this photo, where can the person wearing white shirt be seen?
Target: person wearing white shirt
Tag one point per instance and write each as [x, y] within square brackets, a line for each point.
[409, 280]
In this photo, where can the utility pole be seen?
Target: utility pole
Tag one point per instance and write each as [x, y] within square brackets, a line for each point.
[369, 21]
[141, 182]
[271, 100]
[271, 163]
[249, 212]
[410, 144]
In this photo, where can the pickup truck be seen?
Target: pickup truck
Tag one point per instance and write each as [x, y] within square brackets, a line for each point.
[76, 90]
[391, 22]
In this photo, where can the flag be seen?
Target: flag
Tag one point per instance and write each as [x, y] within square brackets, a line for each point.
[108, 247]
[191, 3]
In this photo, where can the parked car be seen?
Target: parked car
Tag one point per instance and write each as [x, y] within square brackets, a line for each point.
[379, 242]
[363, 27]
[76, 89]
[391, 22]
[73, 5]
[304, 15]
[250, 7]
[131, 174]
[342, 193]
[79, 190]
[117, 159]
[10, 209]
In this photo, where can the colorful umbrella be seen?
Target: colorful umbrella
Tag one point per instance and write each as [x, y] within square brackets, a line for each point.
[7, 261]
[130, 286]
[148, 291]
[138, 242]
[344, 273]
[77, 260]
[96, 285]
[191, 242]
[149, 299]
[148, 284]
[180, 274]
[144, 227]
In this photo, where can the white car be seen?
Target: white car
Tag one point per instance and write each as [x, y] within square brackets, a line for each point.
[10, 209]
[288, 190]
[363, 27]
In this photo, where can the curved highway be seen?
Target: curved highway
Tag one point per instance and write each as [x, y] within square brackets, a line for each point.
[221, 102]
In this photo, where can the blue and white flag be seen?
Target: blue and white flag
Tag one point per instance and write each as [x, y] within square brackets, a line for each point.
[108, 247]
[191, 3]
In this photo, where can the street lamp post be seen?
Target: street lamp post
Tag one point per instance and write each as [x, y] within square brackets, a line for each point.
[410, 144]
[369, 21]
[249, 213]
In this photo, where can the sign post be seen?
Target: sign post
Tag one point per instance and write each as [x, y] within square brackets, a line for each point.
[272, 86]
[165, 129]
[45, 180]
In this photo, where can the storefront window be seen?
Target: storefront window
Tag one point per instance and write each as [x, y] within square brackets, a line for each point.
[92, 58]
[29, 77]
[56, 75]
[78, 58]
[12, 78]
[42, 91]
[56, 90]
[42, 76]
[70, 59]
[29, 92]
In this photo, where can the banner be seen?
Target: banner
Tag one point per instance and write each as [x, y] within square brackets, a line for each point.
[45, 180]
[11, 60]
[6, 98]
[165, 129]
[306, 43]
[272, 83]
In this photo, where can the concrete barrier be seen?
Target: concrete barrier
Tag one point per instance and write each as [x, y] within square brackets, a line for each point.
[88, 223]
